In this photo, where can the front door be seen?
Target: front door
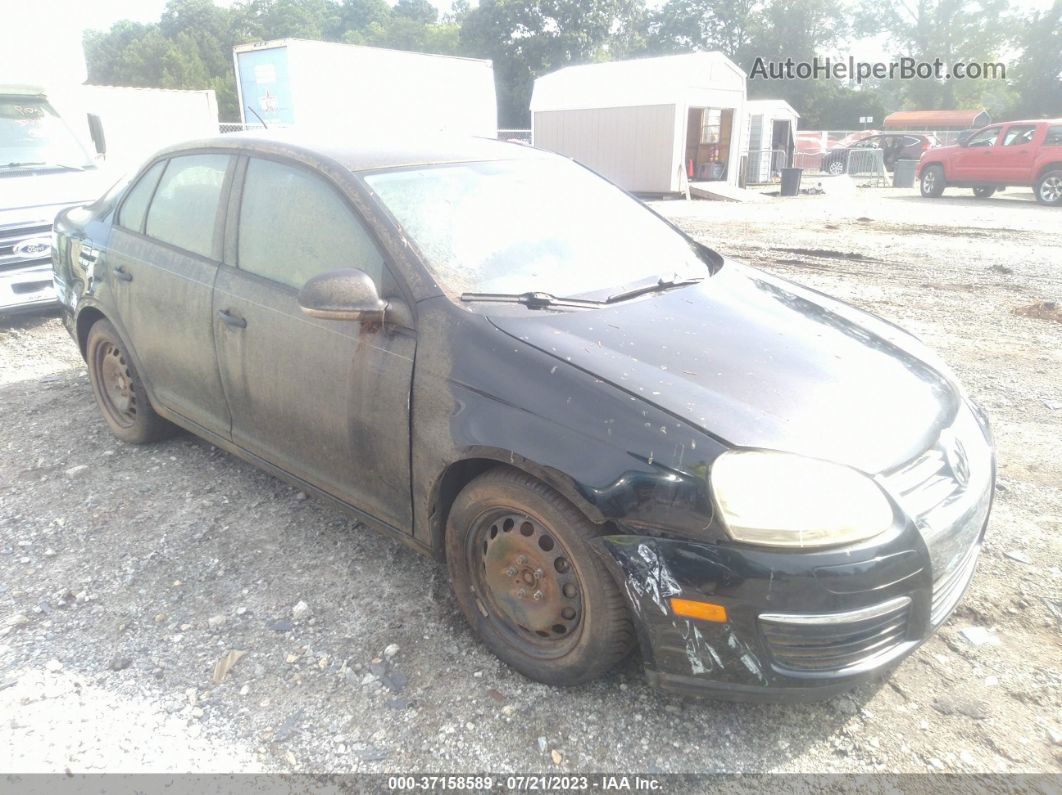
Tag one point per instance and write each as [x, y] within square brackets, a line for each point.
[975, 161]
[162, 259]
[325, 400]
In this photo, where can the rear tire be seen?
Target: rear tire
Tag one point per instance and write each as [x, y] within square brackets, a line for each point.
[1049, 188]
[530, 585]
[118, 389]
[932, 184]
[983, 191]
[835, 168]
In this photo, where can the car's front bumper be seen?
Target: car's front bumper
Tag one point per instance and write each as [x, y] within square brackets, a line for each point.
[804, 625]
[27, 289]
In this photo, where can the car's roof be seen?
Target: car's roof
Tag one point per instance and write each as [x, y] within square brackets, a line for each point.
[366, 152]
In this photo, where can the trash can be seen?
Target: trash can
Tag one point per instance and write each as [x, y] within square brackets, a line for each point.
[791, 181]
[903, 173]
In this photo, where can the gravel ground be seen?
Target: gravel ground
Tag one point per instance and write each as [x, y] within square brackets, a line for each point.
[127, 573]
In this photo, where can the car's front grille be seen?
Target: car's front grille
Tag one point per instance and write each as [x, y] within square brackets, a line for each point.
[948, 590]
[13, 246]
[836, 642]
[946, 491]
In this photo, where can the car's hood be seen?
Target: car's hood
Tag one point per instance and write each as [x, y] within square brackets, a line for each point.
[759, 362]
[38, 197]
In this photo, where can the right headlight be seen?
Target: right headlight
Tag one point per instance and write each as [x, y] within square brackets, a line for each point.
[787, 500]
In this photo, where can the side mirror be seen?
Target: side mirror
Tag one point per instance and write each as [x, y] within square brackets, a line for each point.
[99, 140]
[342, 295]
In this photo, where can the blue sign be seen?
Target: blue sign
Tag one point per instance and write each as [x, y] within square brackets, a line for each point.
[263, 76]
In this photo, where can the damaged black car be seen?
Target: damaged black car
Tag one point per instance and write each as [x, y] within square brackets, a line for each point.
[615, 438]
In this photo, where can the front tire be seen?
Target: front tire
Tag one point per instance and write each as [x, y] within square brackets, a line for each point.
[835, 168]
[983, 191]
[118, 389]
[932, 184]
[530, 585]
[1049, 188]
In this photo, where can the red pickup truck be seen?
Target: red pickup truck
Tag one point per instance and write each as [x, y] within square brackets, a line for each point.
[1012, 153]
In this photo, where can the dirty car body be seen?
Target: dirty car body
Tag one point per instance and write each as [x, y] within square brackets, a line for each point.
[626, 401]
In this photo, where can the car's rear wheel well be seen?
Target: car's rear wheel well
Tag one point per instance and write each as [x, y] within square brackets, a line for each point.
[1048, 167]
[85, 320]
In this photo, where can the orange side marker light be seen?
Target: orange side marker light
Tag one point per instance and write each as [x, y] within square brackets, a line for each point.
[702, 610]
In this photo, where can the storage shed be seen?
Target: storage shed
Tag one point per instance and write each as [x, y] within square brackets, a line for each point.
[772, 128]
[646, 124]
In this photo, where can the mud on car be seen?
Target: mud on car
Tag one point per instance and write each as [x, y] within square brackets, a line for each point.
[614, 437]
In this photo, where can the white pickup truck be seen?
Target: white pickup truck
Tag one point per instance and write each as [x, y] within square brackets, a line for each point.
[44, 167]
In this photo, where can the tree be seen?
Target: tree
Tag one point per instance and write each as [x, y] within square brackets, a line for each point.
[951, 30]
[417, 10]
[1036, 78]
[527, 38]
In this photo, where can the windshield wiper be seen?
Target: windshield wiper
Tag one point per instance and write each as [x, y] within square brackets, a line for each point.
[660, 285]
[531, 300]
[64, 166]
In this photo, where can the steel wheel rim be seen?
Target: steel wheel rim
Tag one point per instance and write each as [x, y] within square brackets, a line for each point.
[115, 381]
[525, 583]
[1051, 189]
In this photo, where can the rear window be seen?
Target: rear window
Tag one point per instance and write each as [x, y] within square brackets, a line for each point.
[185, 208]
[1054, 135]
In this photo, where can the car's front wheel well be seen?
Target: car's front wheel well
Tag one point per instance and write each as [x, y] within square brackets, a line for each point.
[460, 473]
[86, 318]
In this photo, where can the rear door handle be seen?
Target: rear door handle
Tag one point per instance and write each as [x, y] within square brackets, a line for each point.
[231, 319]
[122, 274]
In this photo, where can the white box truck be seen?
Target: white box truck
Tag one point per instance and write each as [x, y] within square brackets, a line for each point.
[344, 88]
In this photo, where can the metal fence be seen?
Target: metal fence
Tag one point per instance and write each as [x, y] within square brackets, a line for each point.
[523, 136]
[763, 166]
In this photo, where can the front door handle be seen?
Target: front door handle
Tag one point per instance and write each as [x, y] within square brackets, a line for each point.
[231, 319]
[122, 274]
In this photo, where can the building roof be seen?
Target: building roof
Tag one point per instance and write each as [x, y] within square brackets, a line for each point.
[666, 80]
[936, 119]
[362, 154]
[776, 106]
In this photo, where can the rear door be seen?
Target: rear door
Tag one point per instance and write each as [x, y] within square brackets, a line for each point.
[1016, 153]
[976, 162]
[163, 256]
[325, 400]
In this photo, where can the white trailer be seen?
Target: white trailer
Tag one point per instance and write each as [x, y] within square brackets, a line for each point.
[343, 88]
[772, 128]
[651, 125]
[140, 121]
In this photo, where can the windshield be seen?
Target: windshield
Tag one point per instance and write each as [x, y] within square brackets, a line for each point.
[536, 225]
[32, 134]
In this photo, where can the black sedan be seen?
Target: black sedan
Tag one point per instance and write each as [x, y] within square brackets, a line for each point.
[613, 436]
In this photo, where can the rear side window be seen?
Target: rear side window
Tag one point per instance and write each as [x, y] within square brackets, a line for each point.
[1054, 136]
[185, 208]
[134, 208]
[294, 225]
[1018, 134]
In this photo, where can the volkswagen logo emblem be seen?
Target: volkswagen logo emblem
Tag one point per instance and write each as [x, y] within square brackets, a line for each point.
[32, 248]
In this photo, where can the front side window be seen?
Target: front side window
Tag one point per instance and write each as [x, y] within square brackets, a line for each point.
[1018, 134]
[532, 225]
[294, 225]
[134, 208]
[985, 137]
[185, 208]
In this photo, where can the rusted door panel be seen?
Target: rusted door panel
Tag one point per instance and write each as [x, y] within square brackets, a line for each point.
[326, 400]
[163, 298]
